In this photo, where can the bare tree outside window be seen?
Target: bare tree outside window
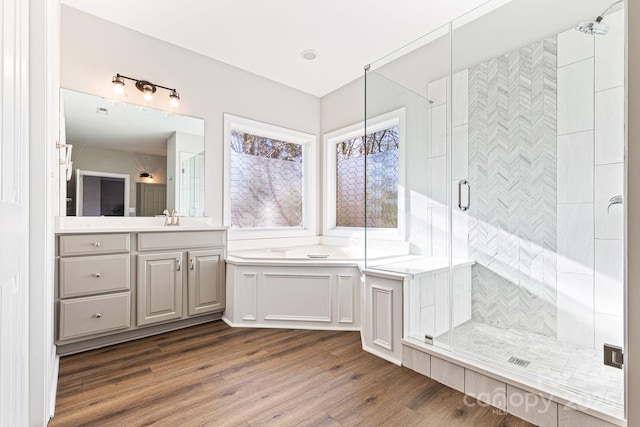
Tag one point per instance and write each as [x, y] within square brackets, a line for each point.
[381, 187]
[266, 182]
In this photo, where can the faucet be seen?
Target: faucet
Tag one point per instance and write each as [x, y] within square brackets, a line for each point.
[615, 200]
[175, 219]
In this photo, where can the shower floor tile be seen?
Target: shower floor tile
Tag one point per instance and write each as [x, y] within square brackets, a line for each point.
[569, 366]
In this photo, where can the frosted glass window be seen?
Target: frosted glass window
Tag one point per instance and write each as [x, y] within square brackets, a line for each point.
[382, 163]
[266, 182]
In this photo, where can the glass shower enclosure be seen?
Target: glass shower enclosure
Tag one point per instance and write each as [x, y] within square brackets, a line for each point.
[505, 211]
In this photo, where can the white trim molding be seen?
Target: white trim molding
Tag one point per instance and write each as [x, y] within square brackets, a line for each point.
[330, 141]
[309, 186]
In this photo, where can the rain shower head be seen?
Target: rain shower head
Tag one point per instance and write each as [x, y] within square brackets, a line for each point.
[597, 27]
[594, 28]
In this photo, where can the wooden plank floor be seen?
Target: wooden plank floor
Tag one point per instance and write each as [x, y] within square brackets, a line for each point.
[216, 376]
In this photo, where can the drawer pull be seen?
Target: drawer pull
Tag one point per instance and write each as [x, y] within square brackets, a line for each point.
[98, 315]
[179, 264]
[97, 244]
[97, 275]
[191, 266]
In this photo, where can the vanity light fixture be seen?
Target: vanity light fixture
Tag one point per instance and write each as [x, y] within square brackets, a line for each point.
[146, 175]
[146, 87]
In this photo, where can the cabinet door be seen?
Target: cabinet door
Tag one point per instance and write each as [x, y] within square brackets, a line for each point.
[159, 287]
[206, 288]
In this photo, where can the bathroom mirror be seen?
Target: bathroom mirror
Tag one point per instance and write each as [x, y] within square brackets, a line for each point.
[121, 159]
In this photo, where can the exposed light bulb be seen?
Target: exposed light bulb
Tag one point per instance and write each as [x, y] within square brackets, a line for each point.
[174, 97]
[148, 96]
[118, 84]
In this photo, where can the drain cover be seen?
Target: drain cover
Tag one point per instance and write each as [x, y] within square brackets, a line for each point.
[519, 362]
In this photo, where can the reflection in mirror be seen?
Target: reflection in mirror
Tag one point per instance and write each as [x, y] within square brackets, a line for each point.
[129, 160]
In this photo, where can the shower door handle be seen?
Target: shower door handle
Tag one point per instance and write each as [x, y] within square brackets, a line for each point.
[460, 205]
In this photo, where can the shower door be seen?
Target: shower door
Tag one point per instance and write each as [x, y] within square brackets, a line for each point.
[537, 133]
[416, 248]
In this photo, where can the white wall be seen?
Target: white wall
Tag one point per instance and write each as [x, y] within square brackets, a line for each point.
[93, 50]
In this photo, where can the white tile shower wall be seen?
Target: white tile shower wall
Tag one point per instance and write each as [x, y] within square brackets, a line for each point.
[609, 133]
[512, 170]
[575, 168]
[609, 53]
[609, 266]
[589, 238]
[609, 183]
[573, 46]
[437, 153]
[575, 309]
[575, 97]
[575, 238]
[609, 330]
[429, 297]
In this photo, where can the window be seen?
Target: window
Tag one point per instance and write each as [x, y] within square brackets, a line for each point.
[345, 177]
[269, 180]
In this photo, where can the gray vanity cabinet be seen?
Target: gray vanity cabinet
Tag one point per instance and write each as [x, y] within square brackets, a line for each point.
[159, 286]
[113, 287]
[206, 281]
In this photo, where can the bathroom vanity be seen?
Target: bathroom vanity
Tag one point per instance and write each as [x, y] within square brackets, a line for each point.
[118, 284]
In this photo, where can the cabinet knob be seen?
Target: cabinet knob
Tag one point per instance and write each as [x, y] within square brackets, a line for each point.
[97, 244]
[98, 275]
[98, 315]
[191, 265]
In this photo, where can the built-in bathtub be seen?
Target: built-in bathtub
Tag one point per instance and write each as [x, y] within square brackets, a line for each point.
[300, 287]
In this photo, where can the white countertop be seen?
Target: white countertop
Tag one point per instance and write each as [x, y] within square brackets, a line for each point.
[87, 224]
[412, 266]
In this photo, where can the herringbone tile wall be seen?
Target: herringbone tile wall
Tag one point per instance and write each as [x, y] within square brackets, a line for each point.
[512, 168]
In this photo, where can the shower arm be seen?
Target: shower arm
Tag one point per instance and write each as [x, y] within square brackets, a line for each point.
[601, 16]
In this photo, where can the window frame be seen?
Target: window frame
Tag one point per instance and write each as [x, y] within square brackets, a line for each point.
[330, 141]
[308, 142]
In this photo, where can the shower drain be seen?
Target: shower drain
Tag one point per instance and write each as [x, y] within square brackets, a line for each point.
[519, 362]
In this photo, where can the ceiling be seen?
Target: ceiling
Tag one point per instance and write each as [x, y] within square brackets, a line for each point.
[266, 37]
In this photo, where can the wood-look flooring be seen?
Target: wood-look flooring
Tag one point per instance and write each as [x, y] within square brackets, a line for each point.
[215, 375]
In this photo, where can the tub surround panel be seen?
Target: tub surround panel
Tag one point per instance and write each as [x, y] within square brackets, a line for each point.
[277, 293]
[512, 169]
[297, 297]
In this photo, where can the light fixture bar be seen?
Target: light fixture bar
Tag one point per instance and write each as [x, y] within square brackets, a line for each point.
[146, 87]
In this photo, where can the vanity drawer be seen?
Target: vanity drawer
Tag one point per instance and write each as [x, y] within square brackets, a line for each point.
[94, 274]
[93, 315]
[87, 244]
[180, 240]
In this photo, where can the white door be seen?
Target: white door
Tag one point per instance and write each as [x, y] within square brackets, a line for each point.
[14, 280]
